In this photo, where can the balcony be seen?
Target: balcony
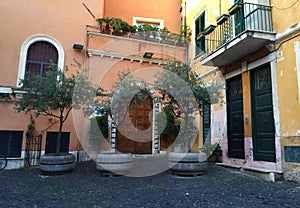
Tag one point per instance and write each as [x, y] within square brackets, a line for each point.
[247, 28]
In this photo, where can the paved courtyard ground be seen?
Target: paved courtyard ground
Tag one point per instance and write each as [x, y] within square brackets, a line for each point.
[84, 187]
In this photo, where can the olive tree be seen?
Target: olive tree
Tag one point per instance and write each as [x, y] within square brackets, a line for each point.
[184, 94]
[55, 95]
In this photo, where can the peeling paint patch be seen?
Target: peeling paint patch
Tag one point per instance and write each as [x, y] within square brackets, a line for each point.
[280, 59]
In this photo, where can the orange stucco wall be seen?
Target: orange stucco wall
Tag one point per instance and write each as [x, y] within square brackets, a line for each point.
[64, 21]
[168, 10]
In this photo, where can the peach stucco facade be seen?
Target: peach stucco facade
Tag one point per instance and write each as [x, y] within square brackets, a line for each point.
[168, 11]
[64, 23]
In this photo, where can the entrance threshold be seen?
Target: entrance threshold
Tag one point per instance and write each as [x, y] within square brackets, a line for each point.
[266, 174]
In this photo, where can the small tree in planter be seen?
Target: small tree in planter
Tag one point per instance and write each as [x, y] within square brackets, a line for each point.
[167, 127]
[184, 94]
[52, 96]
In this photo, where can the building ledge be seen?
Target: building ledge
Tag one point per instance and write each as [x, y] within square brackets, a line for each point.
[239, 47]
[266, 174]
[153, 41]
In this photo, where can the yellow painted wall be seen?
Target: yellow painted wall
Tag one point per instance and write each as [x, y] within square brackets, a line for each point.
[212, 9]
[286, 16]
[285, 13]
[212, 12]
[288, 96]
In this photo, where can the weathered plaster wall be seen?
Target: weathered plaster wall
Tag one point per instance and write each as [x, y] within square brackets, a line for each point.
[286, 22]
[288, 88]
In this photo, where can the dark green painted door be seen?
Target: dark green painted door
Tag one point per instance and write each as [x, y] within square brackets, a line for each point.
[239, 19]
[263, 129]
[235, 118]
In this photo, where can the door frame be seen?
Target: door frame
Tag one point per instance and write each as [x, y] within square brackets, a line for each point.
[271, 59]
[156, 108]
[240, 154]
[257, 155]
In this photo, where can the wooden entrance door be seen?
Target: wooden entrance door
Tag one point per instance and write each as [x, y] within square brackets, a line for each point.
[135, 133]
[263, 127]
[235, 118]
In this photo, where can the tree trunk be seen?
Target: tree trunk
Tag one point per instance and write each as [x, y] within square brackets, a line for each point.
[59, 135]
[186, 132]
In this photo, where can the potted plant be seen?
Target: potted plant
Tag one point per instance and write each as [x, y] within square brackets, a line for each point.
[120, 27]
[53, 96]
[106, 28]
[185, 95]
[215, 153]
[163, 33]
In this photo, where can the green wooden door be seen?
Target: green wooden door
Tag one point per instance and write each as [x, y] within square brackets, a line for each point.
[235, 118]
[263, 129]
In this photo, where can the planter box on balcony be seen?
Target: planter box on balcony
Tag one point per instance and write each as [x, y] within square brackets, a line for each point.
[223, 18]
[209, 29]
[200, 36]
[232, 10]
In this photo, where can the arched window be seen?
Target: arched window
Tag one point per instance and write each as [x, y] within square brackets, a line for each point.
[42, 56]
[37, 53]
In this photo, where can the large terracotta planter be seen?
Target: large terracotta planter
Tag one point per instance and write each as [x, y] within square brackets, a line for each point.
[57, 163]
[188, 164]
[110, 164]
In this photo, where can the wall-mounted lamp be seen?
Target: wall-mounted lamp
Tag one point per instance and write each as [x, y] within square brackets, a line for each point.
[78, 46]
[148, 55]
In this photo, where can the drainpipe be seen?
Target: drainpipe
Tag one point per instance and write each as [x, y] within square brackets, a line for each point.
[186, 44]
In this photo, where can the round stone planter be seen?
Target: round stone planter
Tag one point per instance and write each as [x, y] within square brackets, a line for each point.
[188, 164]
[112, 164]
[57, 163]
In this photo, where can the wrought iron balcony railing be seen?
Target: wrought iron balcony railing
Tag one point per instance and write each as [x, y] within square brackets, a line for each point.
[242, 17]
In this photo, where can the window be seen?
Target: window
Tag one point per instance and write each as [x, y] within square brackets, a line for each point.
[51, 142]
[199, 28]
[157, 23]
[36, 53]
[42, 56]
[11, 143]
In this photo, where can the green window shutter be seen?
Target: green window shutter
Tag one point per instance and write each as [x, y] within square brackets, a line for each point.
[206, 123]
[199, 28]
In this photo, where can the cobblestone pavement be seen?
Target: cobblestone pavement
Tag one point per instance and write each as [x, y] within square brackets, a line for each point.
[84, 187]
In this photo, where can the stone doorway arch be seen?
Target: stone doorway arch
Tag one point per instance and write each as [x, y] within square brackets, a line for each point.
[138, 135]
